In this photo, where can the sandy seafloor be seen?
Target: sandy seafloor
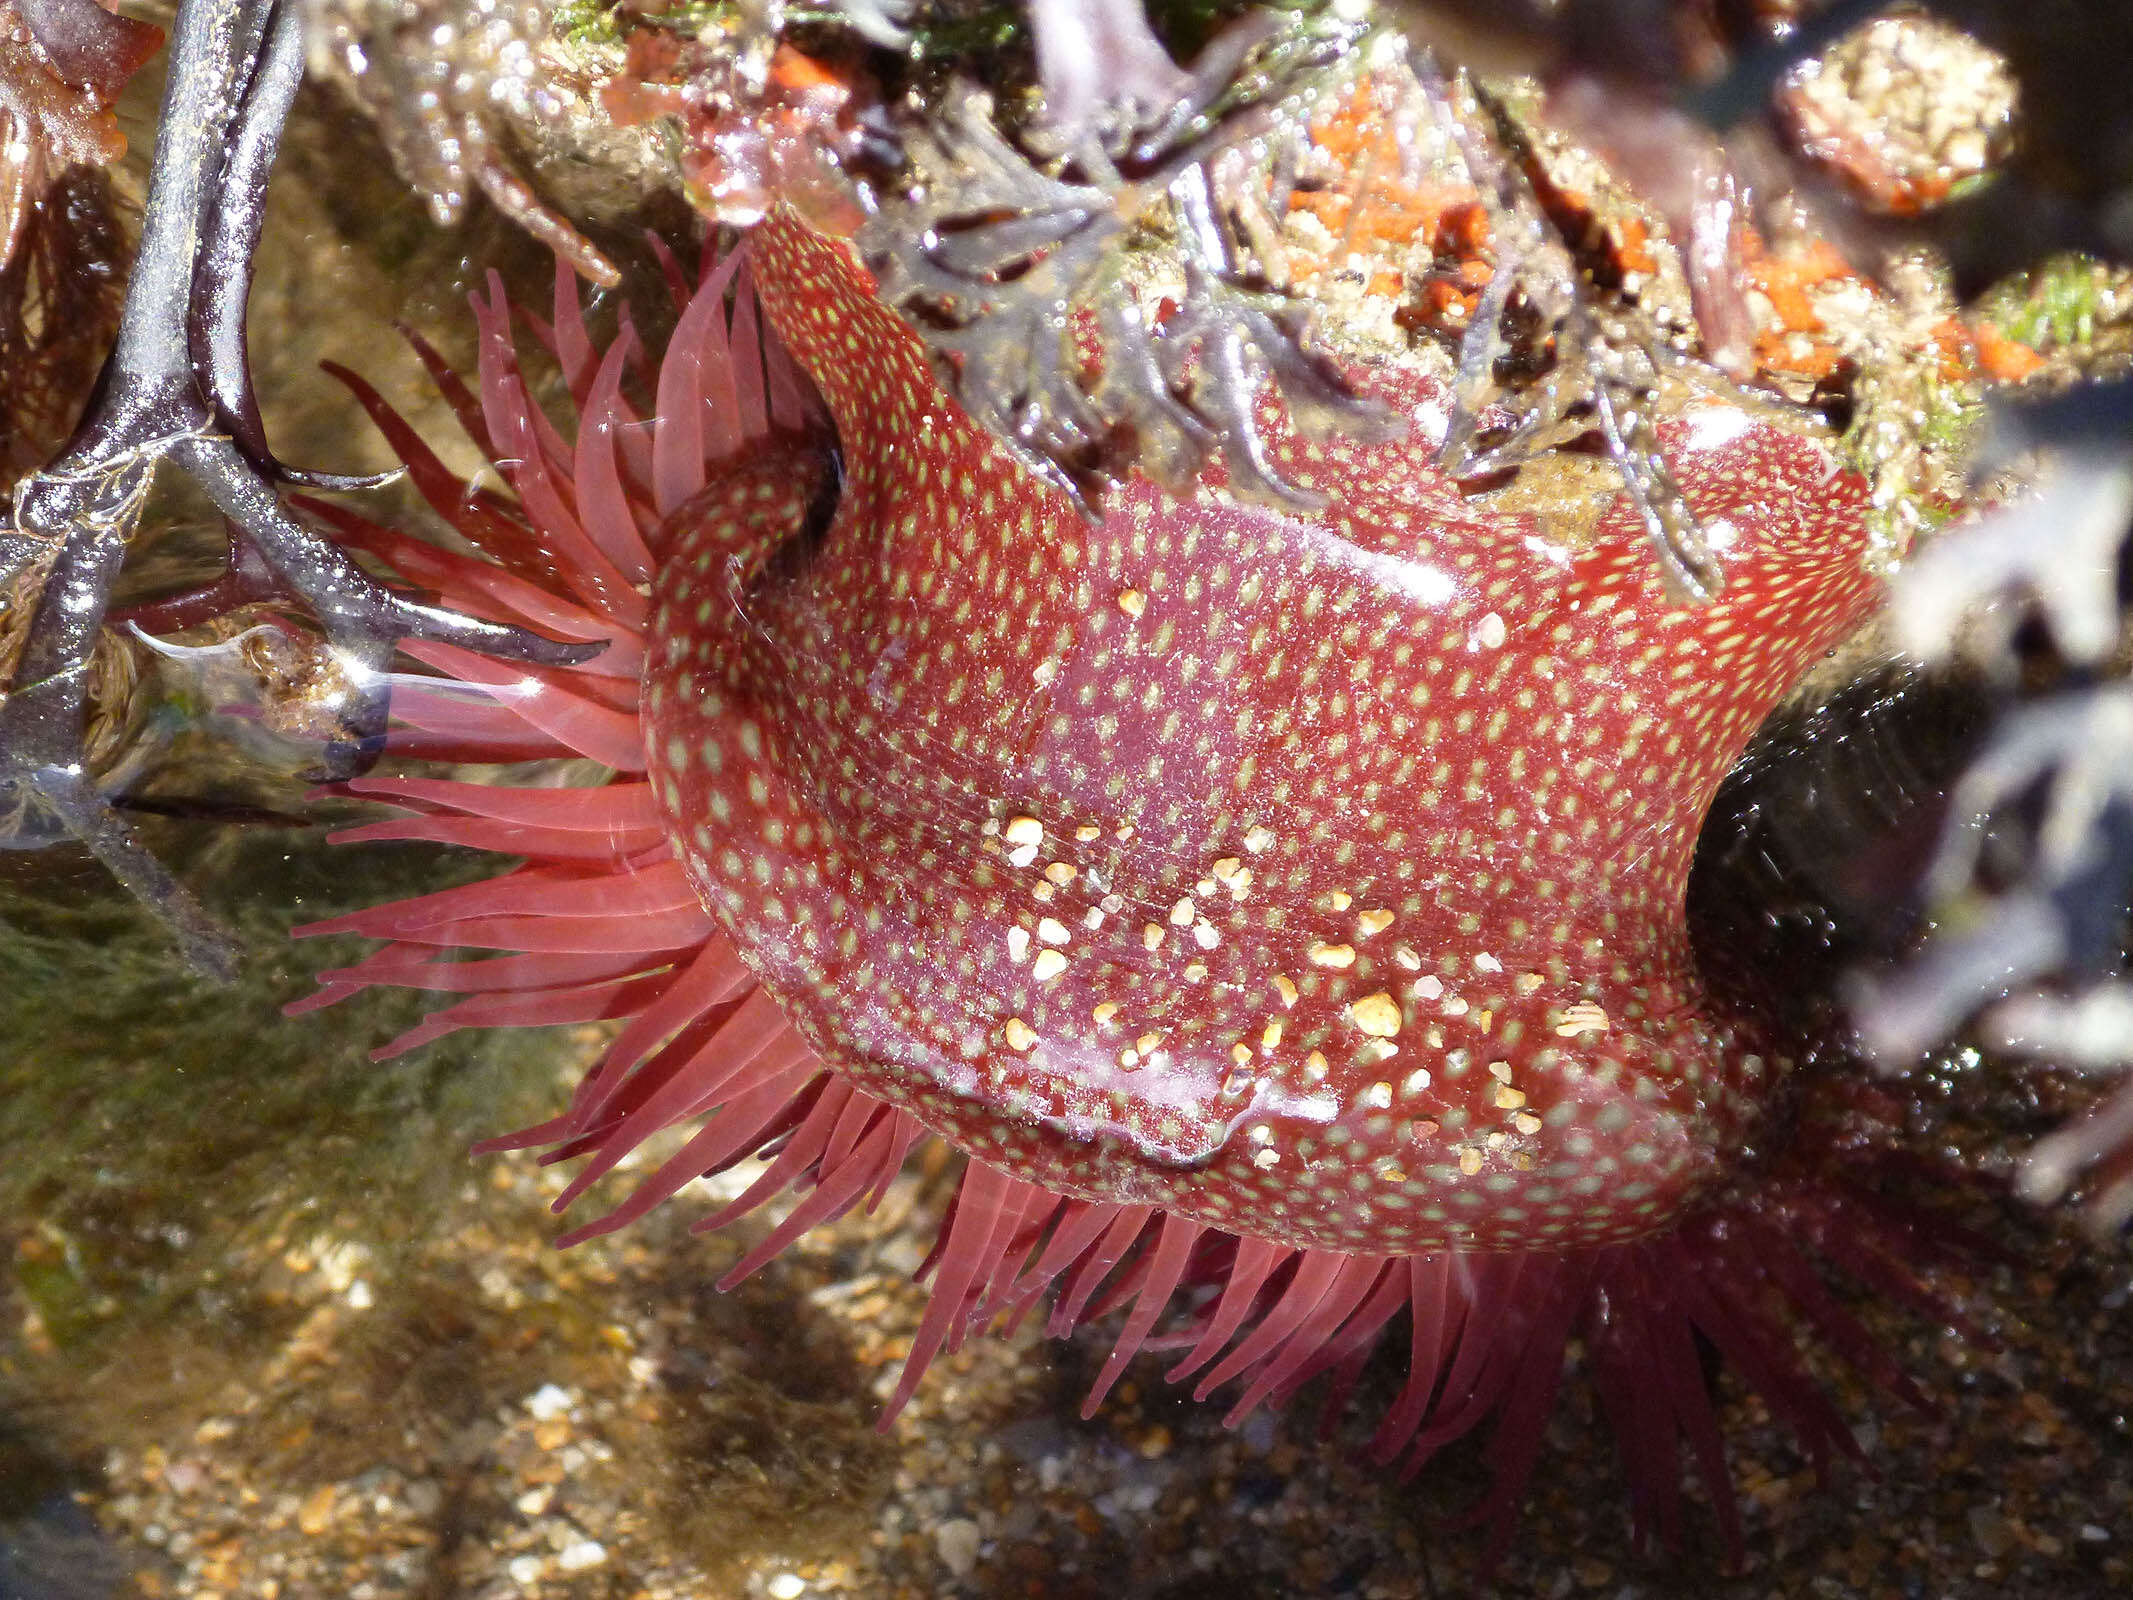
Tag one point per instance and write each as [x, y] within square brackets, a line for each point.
[270, 1332]
[285, 1339]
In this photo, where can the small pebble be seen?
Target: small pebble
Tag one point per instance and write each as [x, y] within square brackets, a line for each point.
[1990, 1531]
[582, 1556]
[317, 1510]
[956, 1542]
[547, 1402]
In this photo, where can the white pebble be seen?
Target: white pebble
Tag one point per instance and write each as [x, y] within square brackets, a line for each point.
[582, 1556]
[548, 1402]
[956, 1541]
[785, 1586]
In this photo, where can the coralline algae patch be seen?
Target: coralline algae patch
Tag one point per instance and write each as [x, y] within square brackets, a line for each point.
[1318, 877]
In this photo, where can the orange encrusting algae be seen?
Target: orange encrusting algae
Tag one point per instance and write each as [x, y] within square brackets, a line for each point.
[1378, 206]
[1788, 280]
[1283, 904]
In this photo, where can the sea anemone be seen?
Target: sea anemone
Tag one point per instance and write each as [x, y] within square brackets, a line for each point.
[1282, 911]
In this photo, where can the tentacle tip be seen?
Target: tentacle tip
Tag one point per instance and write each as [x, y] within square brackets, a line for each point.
[886, 1422]
[327, 994]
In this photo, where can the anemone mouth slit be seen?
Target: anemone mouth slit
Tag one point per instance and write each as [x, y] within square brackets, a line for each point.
[787, 564]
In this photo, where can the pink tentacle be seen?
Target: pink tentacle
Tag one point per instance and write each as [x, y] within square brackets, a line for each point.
[449, 728]
[1255, 1262]
[555, 892]
[545, 698]
[976, 1233]
[1166, 1265]
[1437, 1318]
[583, 935]
[697, 371]
[535, 1008]
[703, 1079]
[1302, 1334]
[843, 1180]
[409, 967]
[502, 838]
[1527, 1398]
[1124, 1227]
[608, 516]
[716, 974]
[739, 1129]
[482, 589]
[515, 423]
[573, 346]
[1345, 1352]
[623, 811]
[1076, 1226]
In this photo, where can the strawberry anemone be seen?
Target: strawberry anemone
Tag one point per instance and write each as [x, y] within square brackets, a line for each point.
[1281, 908]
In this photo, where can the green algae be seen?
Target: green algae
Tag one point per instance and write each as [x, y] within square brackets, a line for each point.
[153, 1118]
[2074, 310]
[2059, 303]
